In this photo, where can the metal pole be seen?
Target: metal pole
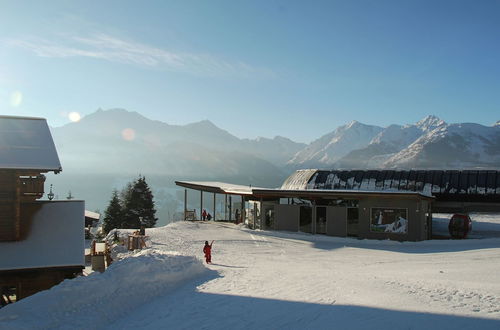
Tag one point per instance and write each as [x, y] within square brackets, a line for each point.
[230, 207]
[201, 203]
[185, 203]
[215, 197]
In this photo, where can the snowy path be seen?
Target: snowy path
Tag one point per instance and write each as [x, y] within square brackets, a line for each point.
[275, 280]
[293, 281]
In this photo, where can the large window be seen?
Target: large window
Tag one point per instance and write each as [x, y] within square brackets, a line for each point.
[389, 220]
[306, 219]
[268, 217]
[352, 221]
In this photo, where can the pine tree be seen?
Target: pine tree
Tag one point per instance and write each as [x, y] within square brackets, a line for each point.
[139, 203]
[113, 216]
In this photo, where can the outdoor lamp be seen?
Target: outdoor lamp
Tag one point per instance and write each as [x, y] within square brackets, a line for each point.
[50, 195]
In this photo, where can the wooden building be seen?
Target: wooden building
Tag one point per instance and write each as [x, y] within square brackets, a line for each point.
[41, 242]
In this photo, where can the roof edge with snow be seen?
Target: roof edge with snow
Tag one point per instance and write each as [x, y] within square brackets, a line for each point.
[26, 144]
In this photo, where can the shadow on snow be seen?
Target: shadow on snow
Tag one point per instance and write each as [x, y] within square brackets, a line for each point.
[429, 246]
[187, 308]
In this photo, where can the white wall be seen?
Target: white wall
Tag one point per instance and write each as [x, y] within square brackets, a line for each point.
[56, 238]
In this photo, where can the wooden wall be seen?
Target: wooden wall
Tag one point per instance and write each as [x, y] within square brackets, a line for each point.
[9, 206]
[29, 282]
[16, 188]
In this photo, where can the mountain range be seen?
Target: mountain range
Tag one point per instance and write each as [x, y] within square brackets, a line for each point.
[430, 143]
[108, 148]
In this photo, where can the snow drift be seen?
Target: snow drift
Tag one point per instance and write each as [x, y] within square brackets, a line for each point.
[98, 299]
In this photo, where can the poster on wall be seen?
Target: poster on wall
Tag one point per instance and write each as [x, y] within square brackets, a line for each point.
[389, 220]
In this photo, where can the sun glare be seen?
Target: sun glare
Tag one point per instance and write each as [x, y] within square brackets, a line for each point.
[128, 134]
[16, 99]
[74, 116]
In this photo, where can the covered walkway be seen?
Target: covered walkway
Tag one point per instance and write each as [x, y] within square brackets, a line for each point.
[232, 210]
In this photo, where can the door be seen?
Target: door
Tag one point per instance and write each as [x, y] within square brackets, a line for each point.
[320, 219]
[305, 219]
[352, 221]
[336, 221]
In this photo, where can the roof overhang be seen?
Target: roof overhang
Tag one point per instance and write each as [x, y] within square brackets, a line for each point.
[93, 215]
[217, 187]
[233, 189]
[320, 193]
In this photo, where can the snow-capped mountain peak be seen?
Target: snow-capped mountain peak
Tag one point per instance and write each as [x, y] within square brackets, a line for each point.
[465, 145]
[334, 145]
[431, 143]
[430, 122]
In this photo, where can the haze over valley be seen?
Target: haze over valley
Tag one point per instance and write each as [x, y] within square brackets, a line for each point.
[108, 148]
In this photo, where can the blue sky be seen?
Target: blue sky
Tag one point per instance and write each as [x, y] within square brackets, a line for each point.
[255, 68]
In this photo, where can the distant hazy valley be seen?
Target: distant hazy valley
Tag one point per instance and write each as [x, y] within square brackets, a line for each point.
[106, 149]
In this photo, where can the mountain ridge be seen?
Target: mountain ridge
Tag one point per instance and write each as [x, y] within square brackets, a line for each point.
[108, 148]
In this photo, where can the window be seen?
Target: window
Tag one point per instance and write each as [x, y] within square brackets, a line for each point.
[8, 295]
[389, 220]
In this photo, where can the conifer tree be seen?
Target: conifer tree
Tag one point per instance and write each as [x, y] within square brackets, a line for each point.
[113, 216]
[139, 203]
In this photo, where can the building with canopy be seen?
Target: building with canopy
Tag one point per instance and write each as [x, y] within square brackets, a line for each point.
[379, 204]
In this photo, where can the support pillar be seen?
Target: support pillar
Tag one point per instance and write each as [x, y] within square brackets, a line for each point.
[201, 203]
[313, 222]
[215, 197]
[230, 208]
[225, 207]
[254, 214]
[242, 213]
[261, 208]
[185, 203]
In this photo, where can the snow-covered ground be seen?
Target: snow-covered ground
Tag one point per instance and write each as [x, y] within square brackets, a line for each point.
[277, 280]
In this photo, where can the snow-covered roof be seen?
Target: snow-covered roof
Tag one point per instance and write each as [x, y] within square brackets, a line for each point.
[93, 215]
[217, 187]
[228, 188]
[55, 239]
[483, 185]
[26, 143]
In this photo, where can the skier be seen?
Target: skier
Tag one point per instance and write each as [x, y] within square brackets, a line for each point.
[207, 249]
[204, 214]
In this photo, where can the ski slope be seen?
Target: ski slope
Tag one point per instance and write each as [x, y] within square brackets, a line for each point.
[277, 280]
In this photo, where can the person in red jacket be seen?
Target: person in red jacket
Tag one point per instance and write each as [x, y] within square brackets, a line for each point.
[207, 249]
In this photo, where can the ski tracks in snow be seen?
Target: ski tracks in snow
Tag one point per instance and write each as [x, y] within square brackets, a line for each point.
[468, 301]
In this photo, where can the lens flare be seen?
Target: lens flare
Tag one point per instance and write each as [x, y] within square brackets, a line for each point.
[16, 99]
[74, 116]
[128, 134]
